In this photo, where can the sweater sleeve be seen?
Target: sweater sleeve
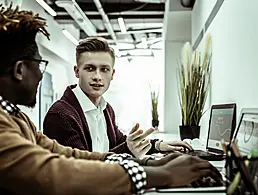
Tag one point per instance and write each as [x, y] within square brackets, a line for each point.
[35, 170]
[55, 147]
[63, 128]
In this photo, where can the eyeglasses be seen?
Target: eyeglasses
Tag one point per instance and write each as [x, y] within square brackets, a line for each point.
[42, 64]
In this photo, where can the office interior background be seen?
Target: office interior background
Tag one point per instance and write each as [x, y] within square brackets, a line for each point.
[166, 27]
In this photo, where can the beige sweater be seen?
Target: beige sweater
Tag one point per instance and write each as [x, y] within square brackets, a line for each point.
[31, 163]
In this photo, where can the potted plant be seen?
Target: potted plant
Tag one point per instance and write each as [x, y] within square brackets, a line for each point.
[194, 85]
[154, 109]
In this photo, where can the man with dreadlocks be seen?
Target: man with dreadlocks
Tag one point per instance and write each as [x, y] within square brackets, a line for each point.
[31, 163]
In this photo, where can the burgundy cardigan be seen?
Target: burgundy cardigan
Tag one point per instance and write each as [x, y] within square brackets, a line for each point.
[66, 123]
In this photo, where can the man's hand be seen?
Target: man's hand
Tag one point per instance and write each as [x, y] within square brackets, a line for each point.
[173, 146]
[181, 170]
[136, 141]
[190, 169]
[163, 160]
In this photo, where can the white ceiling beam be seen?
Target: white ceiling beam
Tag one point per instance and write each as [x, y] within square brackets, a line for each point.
[134, 32]
[78, 15]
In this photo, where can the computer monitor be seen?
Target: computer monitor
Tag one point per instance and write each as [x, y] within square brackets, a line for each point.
[221, 126]
[246, 134]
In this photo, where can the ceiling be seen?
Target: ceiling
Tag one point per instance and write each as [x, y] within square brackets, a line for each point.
[143, 20]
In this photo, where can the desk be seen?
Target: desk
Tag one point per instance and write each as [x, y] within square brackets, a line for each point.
[153, 192]
[190, 193]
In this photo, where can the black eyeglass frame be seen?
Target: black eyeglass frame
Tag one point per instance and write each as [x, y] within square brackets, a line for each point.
[29, 59]
[40, 61]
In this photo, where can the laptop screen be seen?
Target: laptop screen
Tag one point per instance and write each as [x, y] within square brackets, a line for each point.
[221, 121]
[247, 133]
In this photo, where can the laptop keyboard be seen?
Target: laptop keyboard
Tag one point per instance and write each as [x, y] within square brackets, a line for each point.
[200, 153]
[207, 155]
[207, 182]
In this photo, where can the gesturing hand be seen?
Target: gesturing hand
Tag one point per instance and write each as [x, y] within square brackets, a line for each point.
[136, 141]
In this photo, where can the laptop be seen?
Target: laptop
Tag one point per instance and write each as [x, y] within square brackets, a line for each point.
[246, 133]
[246, 136]
[222, 124]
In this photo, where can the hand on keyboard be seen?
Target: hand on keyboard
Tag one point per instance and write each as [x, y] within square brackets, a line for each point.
[190, 169]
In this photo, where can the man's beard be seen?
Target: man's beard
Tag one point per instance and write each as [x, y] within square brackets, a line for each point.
[32, 104]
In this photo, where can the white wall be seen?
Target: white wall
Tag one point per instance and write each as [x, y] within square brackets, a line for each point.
[172, 112]
[178, 26]
[61, 71]
[178, 31]
[234, 62]
[200, 13]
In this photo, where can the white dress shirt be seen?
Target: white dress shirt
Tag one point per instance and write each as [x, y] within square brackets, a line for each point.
[95, 119]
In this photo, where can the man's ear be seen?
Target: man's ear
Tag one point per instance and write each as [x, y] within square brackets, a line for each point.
[76, 71]
[18, 70]
[113, 73]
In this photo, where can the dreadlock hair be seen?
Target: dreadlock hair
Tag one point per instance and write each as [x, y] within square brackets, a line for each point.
[18, 31]
[94, 44]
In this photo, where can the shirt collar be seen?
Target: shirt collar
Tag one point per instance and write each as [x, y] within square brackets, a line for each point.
[8, 107]
[85, 102]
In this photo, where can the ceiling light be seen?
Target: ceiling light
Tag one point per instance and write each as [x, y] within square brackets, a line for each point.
[70, 37]
[124, 53]
[149, 42]
[121, 25]
[122, 46]
[144, 42]
[47, 7]
[140, 52]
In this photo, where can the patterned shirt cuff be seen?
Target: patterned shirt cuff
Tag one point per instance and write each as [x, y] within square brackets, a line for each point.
[136, 172]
